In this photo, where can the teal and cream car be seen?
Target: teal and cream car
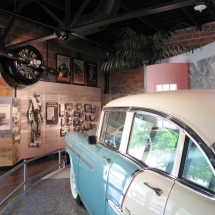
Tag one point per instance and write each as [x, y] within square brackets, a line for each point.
[152, 153]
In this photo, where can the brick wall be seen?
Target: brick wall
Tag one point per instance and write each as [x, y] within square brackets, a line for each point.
[127, 81]
[193, 37]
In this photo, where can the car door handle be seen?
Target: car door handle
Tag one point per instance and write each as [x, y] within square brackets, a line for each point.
[107, 159]
[158, 191]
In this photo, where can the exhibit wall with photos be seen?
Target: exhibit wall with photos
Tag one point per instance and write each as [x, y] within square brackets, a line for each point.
[10, 148]
[50, 110]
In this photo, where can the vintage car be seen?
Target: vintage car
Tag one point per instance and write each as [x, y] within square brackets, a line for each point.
[153, 153]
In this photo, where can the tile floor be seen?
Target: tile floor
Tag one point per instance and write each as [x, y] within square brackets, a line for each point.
[51, 195]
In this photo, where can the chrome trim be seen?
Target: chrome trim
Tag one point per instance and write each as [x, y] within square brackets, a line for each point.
[157, 191]
[78, 155]
[208, 151]
[127, 186]
[103, 144]
[116, 209]
[116, 108]
[144, 167]
[213, 147]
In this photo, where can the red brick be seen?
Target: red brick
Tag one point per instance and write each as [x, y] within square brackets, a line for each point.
[22, 38]
[188, 37]
[6, 91]
[43, 53]
[44, 45]
[3, 83]
[196, 35]
[207, 34]
[193, 42]
[208, 40]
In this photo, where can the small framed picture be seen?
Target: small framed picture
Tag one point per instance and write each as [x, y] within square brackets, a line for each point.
[63, 121]
[91, 74]
[64, 130]
[78, 71]
[93, 108]
[87, 108]
[64, 68]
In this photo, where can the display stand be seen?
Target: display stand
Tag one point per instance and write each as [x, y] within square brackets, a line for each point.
[10, 148]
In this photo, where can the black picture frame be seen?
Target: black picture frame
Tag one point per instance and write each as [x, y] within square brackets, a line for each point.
[78, 71]
[63, 65]
[91, 74]
[51, 113]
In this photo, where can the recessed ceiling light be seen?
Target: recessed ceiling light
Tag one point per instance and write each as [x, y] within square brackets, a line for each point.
[200, 7]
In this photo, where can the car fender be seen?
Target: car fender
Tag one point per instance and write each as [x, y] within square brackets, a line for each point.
[73, 146]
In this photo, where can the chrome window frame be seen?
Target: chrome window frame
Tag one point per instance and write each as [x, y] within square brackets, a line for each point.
[101, 123]
[190, 184]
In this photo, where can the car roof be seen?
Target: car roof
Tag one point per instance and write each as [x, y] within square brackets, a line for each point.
[195, 107]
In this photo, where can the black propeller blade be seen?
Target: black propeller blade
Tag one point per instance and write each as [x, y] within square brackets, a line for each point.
[9, 54]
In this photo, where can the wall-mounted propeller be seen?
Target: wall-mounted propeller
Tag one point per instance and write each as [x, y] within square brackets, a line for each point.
[23, 66]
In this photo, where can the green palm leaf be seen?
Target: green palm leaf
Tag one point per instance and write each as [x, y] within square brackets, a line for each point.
[136, 49]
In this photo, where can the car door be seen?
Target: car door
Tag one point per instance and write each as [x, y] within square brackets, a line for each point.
[154, 143]
[194, 190]
[95, 162]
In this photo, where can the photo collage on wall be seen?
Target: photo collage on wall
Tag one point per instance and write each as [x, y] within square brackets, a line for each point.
[76, 117]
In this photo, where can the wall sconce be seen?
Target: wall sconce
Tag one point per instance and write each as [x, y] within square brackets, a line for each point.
[200, 7]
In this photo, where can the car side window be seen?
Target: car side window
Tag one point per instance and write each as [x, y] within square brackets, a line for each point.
[153, 140]
[197, 167]
[112, 128]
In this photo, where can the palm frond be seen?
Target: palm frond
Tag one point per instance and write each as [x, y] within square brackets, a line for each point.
[136, 49]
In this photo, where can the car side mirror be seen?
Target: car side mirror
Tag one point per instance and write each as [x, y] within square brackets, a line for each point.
[92, 140]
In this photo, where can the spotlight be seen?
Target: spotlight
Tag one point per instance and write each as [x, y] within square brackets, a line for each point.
[65, 36]
[101, 49]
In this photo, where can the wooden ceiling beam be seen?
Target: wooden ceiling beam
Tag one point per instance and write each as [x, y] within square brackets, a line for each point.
[211, 7]
[54, 5]
[192, 19]
[152, 25]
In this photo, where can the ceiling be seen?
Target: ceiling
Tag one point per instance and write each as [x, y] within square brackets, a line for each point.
[103, 27]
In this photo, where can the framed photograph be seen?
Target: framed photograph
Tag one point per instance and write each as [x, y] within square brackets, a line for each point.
[64, 130]
[91, 74]
[78, 71]
[51, 113]
[64, 67]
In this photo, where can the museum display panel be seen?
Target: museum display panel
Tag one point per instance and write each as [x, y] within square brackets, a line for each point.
[36, 121]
